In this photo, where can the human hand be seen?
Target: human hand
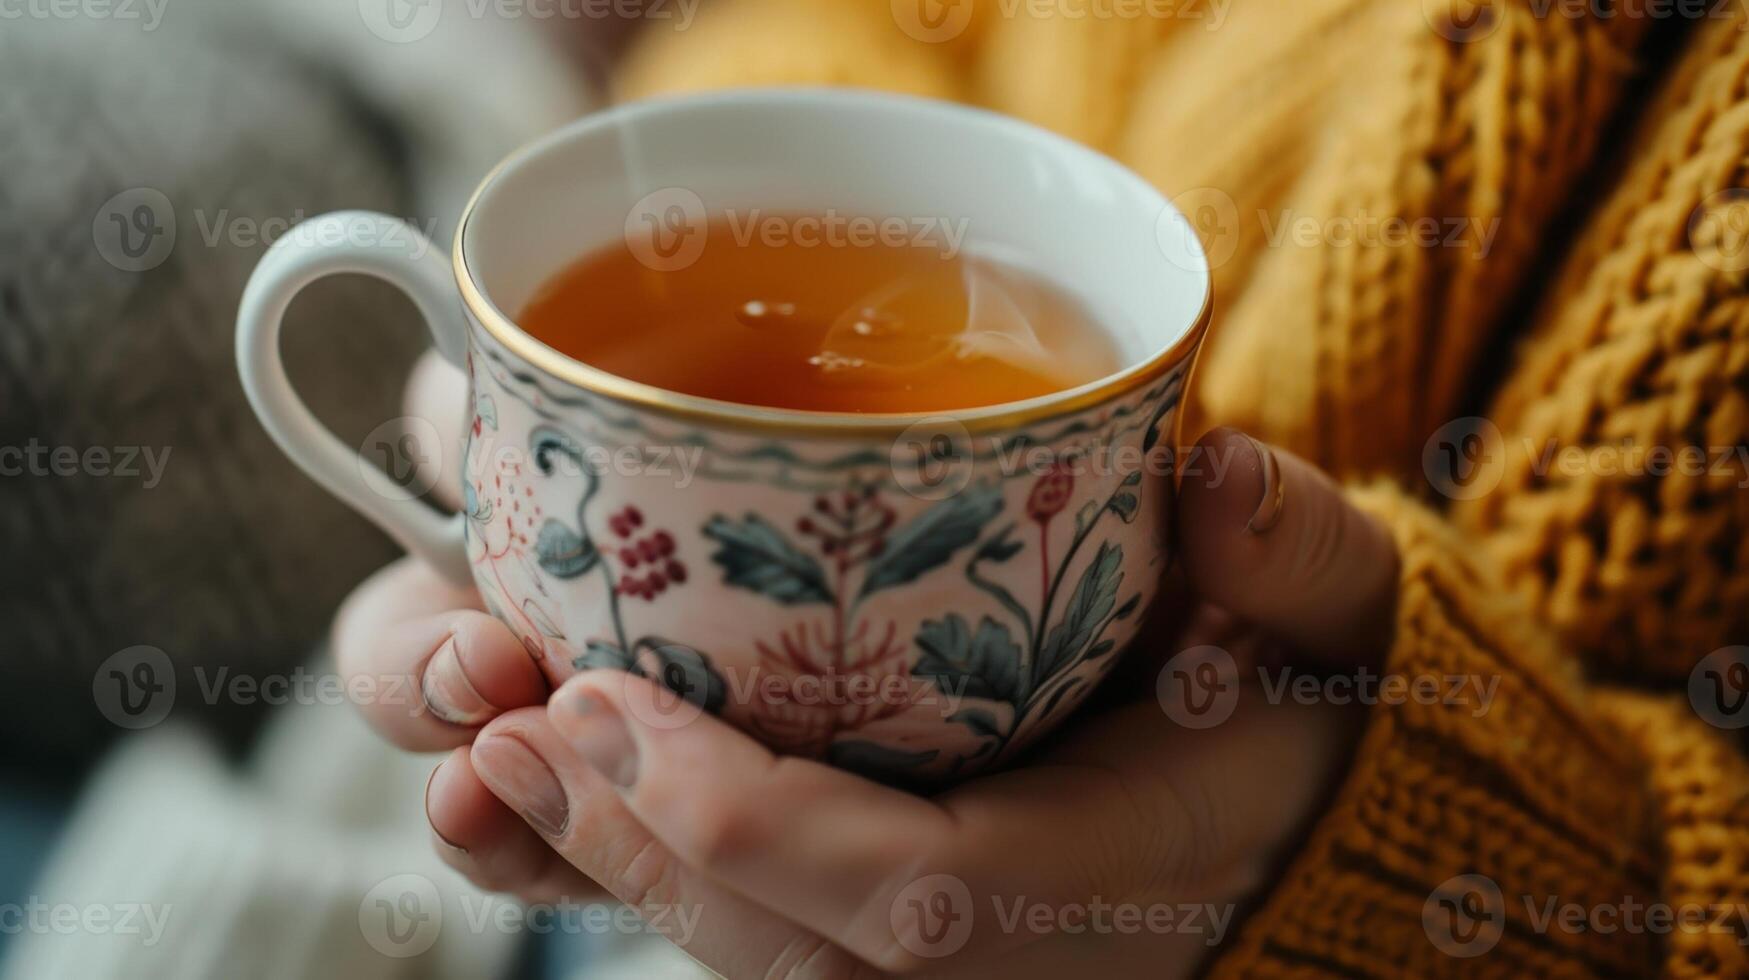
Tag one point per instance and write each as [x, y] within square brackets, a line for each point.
[788, 863]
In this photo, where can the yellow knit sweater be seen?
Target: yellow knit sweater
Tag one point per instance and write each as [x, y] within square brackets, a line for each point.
[1507, 130]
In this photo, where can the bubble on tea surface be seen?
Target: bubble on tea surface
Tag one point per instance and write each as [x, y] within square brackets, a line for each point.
[759, 314]
[832, 362]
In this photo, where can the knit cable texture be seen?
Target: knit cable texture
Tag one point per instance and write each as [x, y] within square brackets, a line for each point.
[1622, 510]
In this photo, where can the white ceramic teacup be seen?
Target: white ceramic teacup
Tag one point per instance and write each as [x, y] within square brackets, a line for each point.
[911, 596]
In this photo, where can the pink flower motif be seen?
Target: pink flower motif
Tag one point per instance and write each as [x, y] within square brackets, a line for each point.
[807, 695]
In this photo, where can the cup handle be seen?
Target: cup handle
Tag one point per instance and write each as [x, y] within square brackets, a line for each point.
[396, 252]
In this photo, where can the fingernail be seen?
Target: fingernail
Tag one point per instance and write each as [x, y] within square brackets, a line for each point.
[518, 775]
[448, 693]
[445, 841]
[601, 737]
[1269, 509]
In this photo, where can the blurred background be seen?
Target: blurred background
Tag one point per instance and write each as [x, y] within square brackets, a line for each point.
[179, 760]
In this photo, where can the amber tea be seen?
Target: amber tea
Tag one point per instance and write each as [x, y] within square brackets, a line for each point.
[797, 323]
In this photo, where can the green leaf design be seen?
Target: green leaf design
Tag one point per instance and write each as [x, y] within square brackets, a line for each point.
[598, 655]
[1124, 505]
[931, 539]
[686, 672]
[1128, 609]
[963, 664]
[1057, 698]
[1094, 598]
[754, 555]
[562, 552]
[546, 440]
[1167, 404]
[477, 510]
[1084, 517]
[676, 666]
[1000, 547]
[877, 761]
[487, 409]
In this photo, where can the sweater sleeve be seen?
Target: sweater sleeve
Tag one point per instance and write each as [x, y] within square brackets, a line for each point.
[1515, 823]
[1616, 499]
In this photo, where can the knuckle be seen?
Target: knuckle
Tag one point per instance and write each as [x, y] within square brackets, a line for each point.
[720, 834]
[643, 878]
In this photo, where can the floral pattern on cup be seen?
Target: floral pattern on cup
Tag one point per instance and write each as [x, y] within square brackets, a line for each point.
[828, 613]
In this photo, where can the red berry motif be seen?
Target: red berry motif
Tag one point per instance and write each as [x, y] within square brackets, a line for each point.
[653, 551]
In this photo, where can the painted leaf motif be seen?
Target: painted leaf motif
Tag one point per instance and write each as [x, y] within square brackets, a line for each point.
[1167, 404]
[1085, 516]
[1000, 547]
[985, 664]
[1094, 598]
[931, 539]
[478, 510]
[487, 410]
[686, 672]
[598, 655]
[546, 440]
[1125, 505]
[1128, 609]
[1057, 698]
[564, 553]
[754, 555]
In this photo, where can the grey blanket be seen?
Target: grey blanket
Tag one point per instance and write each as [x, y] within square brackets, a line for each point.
[141, 504]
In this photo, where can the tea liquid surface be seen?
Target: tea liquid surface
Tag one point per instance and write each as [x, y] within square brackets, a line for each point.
[771, 320]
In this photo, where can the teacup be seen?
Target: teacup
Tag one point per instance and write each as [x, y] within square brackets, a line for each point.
[913, 597]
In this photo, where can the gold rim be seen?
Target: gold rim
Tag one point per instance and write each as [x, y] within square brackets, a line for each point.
[797, 421]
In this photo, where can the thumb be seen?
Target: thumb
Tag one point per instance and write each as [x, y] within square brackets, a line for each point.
[1270, 538]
